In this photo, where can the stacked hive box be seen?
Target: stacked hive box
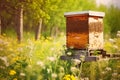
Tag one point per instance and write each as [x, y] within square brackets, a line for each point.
[84, 30]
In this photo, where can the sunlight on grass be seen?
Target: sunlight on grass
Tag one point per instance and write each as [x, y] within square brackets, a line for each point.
[39, 60]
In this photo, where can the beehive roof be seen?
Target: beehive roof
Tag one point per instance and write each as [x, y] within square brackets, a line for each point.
[90, 13]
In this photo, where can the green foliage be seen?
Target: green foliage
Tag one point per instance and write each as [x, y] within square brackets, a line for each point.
[19, 57]
[13, 58]
[112, 45]
[51, 12]
[39, 60]
[57, 18]
[113, 20]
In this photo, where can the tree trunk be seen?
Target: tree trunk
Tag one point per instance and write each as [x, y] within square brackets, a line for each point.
[0, 25]
[38, 30]
[0, 20]
[54, 31]
[19, 23]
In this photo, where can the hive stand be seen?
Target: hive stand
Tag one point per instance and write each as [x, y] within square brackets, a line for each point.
[84, 33]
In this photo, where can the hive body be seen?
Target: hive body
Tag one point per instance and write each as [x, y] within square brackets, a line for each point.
[84, 30]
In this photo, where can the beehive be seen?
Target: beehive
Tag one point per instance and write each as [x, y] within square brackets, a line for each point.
[84, 29]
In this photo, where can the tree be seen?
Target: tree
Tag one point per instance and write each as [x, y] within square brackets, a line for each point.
[0, 25]
[57, 18]
[41, 15]
[38, 30]
[2, 13]
[0, 17]
[9, 9]
[19, 23]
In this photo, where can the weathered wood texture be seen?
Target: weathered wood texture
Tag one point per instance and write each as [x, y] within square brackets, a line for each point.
[95, 33]
[77, 32]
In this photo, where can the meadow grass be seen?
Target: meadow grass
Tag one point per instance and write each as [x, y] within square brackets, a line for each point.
[40, 60]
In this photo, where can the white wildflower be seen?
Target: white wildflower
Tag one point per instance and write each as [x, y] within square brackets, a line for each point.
[40, 63]
[2, 67]
[103, 72]
[118, 32]
[29, 66]
[52, 59]
[48, 70]
[4, 42]
[115, 46]
[61, 69]
[54, 75]
[108, 69]
[81, 78]
[114, 74]
[112, 40]
[71, 47]
[52, 49]
[74, 69]
[76, 61]
[86, 78]
[82, 58]
[20, 49]
[22, 74]
[118, 35]
[5, 60]
[69, 53]
[77, 78]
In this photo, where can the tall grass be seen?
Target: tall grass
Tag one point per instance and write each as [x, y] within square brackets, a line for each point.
[40, 60]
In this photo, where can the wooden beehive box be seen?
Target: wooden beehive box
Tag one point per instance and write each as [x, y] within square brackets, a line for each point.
[84, 30]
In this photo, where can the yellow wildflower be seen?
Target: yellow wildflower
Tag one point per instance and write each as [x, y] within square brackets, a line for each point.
[69, 77]
[15, 59]
[12, 72]
[15, 79]
[4, 34]
[72, 77]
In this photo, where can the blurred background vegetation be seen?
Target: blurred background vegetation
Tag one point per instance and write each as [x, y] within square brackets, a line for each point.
[51, 12]
[44, 21]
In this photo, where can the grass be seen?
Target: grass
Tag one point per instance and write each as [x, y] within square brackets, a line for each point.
[39, 60]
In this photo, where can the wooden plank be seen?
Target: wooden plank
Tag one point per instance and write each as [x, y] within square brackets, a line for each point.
[91, 58]
[87, 59]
